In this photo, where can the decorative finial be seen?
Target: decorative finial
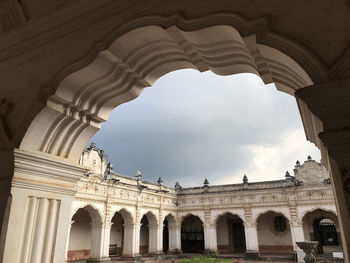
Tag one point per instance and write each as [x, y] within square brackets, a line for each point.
[108, 170]
[245, 179]
[206, 182]
[297, 163]
[160, 181]
[287, 174]
[92, 145]
[138, 174]
[177, 187]
[309, 158]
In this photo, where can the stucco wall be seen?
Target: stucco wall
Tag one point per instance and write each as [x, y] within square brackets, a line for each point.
[117, 231]
[80, 234]
[271, 240]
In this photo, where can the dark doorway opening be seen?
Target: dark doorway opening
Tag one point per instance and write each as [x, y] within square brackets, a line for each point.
[325, 233]
[165, 236]
[238, 237]
[192, 235]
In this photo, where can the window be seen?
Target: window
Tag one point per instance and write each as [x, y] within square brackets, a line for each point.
[280, 224]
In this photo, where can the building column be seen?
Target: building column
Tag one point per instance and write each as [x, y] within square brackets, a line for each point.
[38, 214]
[131, 243]
[297, 231]
[100, 234]
[325, 113]
[251, 241]
[174, 238]
[210, 239]
[155, 240]
[68, 237]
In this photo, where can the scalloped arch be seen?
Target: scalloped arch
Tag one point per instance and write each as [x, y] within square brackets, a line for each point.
[313, 209]
[274, 210]
[183, 216]
[125, 212]
[217, 217]
[94, 211]
[151, 217]
[134, 57]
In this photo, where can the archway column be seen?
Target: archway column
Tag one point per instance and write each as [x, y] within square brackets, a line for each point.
[325, 112]
[210, 238]
[67, 243]
[43, 189]
[298, 236]
[131, 241]
[100, 235]
[251, 239]
[174, 238]
[155, 239]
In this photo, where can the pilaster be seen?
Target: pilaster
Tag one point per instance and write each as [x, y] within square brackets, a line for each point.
[297, 232]
[251, 236]
[42, 192]
[329, 102]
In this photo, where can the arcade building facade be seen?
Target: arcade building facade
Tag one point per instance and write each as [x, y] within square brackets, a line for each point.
[66, 64]
[114, 214]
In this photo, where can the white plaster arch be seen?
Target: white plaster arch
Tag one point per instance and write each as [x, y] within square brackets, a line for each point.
[199, 214]
[95, 210]
[128, 213]
[304, 210]
[136, 59]
[216, 214]
[170, 216]
[152, 216]
[257, 212]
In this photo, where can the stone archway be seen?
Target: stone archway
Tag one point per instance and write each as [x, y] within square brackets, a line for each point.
[121, 241]
[274, 234]
[322, 226]
[70, 114]
[230, 234]
[192, 235]
[149, 234]
[84, 234]
[169, 233]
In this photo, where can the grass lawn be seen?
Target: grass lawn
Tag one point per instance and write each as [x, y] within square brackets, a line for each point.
[204, 259]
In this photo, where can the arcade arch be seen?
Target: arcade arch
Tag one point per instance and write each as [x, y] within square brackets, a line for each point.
[169, 233]
[119, 236]
[322, 226]
[274, 233]
[230, 234]
[192, 234]
[149, 234]
[84, 237]
[83, 100]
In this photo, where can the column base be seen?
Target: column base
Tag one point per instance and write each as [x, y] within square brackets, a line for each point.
[174, 252]
[252, 255]
[158, 255]
[134, 259]
[209, 253]
[98, 260]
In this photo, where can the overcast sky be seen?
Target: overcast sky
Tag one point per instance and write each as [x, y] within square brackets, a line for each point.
[190, 126]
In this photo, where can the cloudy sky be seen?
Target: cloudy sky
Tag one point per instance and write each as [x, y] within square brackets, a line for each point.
[190, 125]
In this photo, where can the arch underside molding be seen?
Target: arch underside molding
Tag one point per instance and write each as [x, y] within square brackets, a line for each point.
[257, 212]
[304, 210]
[96, 211]
[184, 215]
[216, 214]
[85, 98]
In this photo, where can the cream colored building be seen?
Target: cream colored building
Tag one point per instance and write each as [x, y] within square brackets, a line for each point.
[117, 214]
[66, 64]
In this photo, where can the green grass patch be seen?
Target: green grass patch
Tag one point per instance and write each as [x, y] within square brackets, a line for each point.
[204, 259]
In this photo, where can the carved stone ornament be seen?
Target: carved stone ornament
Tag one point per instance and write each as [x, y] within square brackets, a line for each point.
[308, 247]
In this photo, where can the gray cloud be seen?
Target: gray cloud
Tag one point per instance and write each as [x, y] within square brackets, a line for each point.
[189, 126]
